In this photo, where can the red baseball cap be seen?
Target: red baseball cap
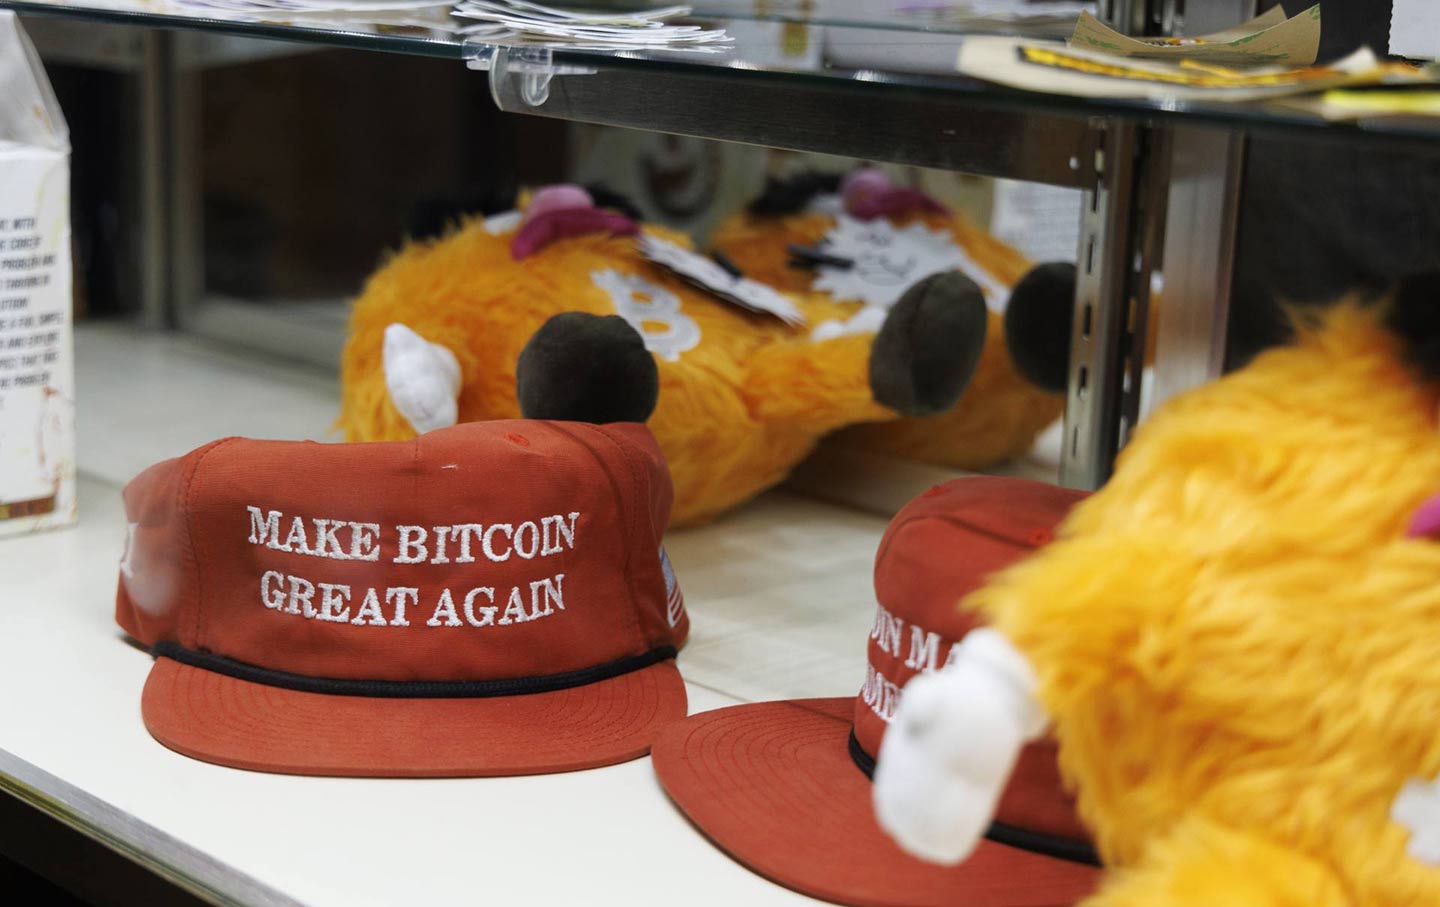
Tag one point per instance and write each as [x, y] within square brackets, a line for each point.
[489, 599]
[784, 787]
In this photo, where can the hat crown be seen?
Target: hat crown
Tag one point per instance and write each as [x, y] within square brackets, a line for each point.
[937, 550]
[490, 551]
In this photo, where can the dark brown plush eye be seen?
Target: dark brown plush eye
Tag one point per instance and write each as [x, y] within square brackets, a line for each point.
[580, 367]
[1414, 315]
[930, 345]
[1037, 325]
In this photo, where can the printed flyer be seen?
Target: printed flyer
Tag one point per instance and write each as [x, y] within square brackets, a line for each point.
[37, 431]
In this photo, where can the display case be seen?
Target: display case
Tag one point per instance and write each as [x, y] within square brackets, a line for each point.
[780, 590]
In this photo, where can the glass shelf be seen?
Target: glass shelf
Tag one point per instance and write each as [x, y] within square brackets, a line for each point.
[815, 61]
[421, 33]
[433, 32]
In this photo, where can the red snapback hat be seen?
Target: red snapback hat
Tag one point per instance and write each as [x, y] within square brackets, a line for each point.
[489, 599]
[784, 787]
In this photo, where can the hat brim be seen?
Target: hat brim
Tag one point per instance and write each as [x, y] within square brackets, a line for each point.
[773, 784]
[222, 719]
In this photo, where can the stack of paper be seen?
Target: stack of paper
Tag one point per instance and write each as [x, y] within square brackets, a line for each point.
[1004, 10]
[1269, 39]
[1267, 57]
[271, 7]
[503, 19]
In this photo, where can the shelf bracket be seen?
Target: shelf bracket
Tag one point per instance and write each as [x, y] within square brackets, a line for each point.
[526, 72]
[521, 75]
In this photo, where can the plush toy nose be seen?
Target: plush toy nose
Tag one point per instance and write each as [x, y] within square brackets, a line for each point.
[1426, 521]
[868, 193]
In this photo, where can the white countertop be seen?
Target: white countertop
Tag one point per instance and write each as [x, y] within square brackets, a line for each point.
[779, 595]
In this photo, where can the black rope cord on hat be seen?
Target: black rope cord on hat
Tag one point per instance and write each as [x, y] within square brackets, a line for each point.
[409, 689]
[999, 832]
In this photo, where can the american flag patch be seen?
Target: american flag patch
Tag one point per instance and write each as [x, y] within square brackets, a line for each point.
[674, 599]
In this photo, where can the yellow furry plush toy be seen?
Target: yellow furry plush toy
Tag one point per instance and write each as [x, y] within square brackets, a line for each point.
[1237, 641]
[859, 241]
[745, 388]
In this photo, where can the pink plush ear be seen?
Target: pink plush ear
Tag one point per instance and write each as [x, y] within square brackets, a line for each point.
[865, 181]
[868, 193]
[561, 197]
[892, 202]
[544, 229]
[1426, 521]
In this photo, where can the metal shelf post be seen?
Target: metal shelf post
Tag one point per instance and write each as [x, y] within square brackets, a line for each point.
[1120, 233]
[1159, 194]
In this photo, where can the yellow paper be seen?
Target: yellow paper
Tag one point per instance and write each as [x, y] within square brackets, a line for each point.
[1346, 105]
[1184, 72]
[1403, 102]
[1054, 68]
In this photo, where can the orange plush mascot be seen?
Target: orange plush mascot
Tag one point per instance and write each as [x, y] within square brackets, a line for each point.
[436, 336]
[1236, 641]
[860, 241]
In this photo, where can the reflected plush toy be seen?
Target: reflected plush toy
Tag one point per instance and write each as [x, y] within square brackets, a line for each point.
[859, 241]
[1237, 641]
[743, 396]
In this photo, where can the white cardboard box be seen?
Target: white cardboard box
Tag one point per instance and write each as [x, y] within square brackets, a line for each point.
[37, 374]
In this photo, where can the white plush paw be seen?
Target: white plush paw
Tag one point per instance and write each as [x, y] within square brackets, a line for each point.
[1417, 808]
[423, 379]
[951, 747]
